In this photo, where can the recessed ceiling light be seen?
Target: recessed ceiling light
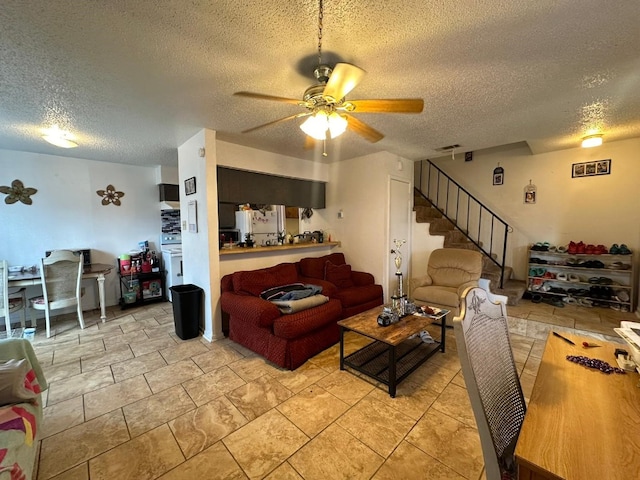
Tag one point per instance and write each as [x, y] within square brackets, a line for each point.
[592, 141]
[59, 138]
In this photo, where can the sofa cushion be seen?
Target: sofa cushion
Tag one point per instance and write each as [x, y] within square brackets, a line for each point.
[447, 296]
[359, 295]
[303, 323]
[314, 267]
[256, 281]
[339, 275]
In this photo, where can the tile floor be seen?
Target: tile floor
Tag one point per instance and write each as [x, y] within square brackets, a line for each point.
[129, 400]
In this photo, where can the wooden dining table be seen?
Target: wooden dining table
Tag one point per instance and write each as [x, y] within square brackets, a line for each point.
[94, 270]
[580, 423]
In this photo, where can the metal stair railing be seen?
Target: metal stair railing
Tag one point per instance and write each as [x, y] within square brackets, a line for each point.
[482, 227]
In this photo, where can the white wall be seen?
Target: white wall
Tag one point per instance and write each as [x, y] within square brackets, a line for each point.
[599, 210]
[199, 251]
[359, 187]
[67, 212]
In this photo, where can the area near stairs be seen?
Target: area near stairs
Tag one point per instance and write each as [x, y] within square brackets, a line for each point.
[454, 238]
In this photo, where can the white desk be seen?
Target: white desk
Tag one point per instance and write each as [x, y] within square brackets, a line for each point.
[95, 270]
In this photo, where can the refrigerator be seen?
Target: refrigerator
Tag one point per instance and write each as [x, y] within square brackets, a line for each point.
[262, 225]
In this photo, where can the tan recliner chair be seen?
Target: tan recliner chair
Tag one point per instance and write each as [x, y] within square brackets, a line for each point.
[450, 271]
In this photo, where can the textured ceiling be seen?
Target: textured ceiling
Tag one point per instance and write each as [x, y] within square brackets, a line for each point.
[135, 79]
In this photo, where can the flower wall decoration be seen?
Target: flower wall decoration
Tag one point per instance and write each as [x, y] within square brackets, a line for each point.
[110, 195]
[18, 192]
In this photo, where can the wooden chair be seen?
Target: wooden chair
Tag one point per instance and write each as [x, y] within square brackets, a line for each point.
[484, 349]
[61, 274]
[11, 300]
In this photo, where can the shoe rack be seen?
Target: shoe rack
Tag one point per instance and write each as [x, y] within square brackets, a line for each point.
[588, 280]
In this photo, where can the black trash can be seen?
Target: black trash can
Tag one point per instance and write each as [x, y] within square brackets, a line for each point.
[187, 310]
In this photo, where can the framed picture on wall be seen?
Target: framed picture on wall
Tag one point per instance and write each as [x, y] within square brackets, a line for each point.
[589, 169]
[190, 186]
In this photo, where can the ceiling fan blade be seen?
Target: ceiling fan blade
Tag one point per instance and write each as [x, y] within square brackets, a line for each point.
[364, 130]
[343, 79]
[291, 117]
[260, 96]
[396, 105]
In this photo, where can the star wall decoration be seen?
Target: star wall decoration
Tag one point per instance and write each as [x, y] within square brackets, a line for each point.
[110, 195]
[17, 192]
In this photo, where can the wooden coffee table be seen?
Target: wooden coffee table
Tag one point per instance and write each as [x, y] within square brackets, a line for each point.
[393, 355]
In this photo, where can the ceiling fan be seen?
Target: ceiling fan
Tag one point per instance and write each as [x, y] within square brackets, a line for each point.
[329, 112]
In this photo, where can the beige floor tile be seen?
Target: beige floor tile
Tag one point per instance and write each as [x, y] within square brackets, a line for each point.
[449, 359]
[302, 377]
[411, 398]
[200, 428]
[137, 366]
[313, 409]
[161, 331]
[216, 357]
[116, 353]
[143, 458]
[139, 325]
[152, 345]
[214, 463]
[61, 371]
[171, 375]
[211, 385]
[71, 447]
[126, 338]
[81, 472]
[64, 389]
[459, 380]
[181, 351]
[377, 425]
[165, 319]
[74, 352]
[264, 443]
[532, 365]
[452, 442]
[408, 462]
[433, 376]
[114, 396]
[284, 472]
[337, 455]
[62, 416]
[454, 401]
[157, 409]
[526, 383]
[250, 368]
[516, 324]
[346, 386]
[257, 397]
[539, 330]
[538, 348]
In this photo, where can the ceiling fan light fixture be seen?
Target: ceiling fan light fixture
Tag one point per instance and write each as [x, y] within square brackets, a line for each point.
[58, 137]
[337, 124]
[316, 125]
[592, 141]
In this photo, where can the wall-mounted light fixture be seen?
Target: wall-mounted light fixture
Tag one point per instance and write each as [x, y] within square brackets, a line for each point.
[592, 141]
[58, 137]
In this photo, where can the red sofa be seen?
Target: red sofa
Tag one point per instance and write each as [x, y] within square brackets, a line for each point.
[290, 340]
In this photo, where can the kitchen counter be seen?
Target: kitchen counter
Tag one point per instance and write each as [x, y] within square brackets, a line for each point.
[275, 248]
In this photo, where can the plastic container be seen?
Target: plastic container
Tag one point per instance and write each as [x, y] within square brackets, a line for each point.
[187, 310]
[129, 297]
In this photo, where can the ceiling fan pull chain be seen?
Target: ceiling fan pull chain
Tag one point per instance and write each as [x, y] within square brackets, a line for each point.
[320, 14]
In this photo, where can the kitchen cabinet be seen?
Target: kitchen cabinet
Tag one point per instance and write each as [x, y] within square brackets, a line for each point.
[590, 280]
[141, 288]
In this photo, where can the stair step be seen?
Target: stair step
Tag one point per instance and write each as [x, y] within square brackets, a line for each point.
[513, 290]
[420, 200]
[425, 214]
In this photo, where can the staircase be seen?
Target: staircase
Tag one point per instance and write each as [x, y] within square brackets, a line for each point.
[455, 238]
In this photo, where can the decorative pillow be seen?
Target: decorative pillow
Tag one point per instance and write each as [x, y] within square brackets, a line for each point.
[15, 382]
[339, 275]
[313, 267]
